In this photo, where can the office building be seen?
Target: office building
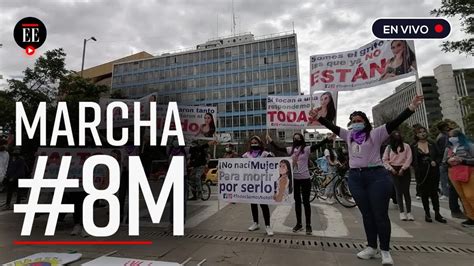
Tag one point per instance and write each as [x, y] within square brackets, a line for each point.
[442, 93]
[235, 74]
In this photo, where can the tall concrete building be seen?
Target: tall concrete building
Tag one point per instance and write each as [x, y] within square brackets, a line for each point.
[442, 93]
[235, 74]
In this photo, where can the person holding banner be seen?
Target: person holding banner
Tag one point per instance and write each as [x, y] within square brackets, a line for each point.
[256, 150]
[302, 179]
[402, 62]
[369, 182]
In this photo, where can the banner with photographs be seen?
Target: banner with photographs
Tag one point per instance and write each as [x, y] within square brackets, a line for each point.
[78, 157]
[373, 64]
[256, 180]
[292, 112]
[197, 122]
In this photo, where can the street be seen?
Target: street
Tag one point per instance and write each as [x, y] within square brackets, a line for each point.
[217, 232]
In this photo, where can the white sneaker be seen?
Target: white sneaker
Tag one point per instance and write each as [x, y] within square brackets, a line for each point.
[403, 216]
[386, 258]
[269, 230]
[410, 217]
[443, 198]
[329, 201]
[418, 197]
[76, 230]
[367, 254]
[254, 227]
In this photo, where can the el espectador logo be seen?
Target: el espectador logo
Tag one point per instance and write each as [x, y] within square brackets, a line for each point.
[30, 33]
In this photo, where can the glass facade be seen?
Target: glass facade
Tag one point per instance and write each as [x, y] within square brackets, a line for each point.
[235, 78]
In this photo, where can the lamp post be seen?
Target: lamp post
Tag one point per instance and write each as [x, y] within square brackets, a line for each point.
[84, 52]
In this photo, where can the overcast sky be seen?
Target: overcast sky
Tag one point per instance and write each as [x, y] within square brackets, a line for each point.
[123, 27]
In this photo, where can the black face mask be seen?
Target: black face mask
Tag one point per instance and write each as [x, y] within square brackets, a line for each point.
[255, 147]
[298, 142]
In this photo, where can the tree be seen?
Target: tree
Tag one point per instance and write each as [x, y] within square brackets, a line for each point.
[7, 116]
[464, 9]
[469, 117]
[405, 130]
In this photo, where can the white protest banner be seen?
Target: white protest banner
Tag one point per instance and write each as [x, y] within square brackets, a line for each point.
[46, 258]
[373, 64]
[105, 260]
[256, 180]
[117, 114]
[197, 122]
[292, 112]
[78, 157]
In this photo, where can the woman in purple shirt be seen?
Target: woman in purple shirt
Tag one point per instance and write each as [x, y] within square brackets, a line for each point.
[369, 181]
[299, 153]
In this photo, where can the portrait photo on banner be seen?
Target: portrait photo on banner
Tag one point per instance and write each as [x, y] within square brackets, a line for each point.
[292, 112]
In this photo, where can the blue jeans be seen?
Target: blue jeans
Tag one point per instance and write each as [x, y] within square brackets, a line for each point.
[443, 176]
[371, 189]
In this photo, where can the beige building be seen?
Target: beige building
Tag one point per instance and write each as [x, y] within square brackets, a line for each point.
[102, 74]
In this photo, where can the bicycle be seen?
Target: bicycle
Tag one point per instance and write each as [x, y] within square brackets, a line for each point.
[205, 193]
[320, 182]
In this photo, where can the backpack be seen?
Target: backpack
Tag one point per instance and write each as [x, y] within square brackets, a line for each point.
[323, 164]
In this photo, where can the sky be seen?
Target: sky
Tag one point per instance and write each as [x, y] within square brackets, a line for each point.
[123, 27]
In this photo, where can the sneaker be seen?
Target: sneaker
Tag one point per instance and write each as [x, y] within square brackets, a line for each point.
[297, 228]
[254, 227]
[386, 258]
[440, 219]
[410, 217]
[428, 219]
[468, 223]
[329, 201]
[403, 216]
[443, 198]
[367, 254]
[76, 230]
[418, 197]
[269, 230]
[309, 230]
[458, 215]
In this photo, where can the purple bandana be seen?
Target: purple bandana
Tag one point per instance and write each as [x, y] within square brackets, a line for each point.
[358, 136]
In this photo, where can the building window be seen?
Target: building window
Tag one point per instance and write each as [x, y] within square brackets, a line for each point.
[281, 135]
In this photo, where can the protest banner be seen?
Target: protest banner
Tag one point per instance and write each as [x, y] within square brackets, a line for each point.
[292, 112]
[46, 258]
[197, 122]
[256, 180]
[78, 157]
[106, 260]
[373, 64]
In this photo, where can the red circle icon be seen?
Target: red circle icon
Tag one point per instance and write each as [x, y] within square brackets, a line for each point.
[30, 50]
[438, 28]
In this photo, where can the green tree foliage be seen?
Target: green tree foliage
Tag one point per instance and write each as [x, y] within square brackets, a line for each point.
[464, 9]
[469, 117]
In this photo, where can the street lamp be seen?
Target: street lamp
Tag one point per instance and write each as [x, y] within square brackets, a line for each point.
[84, 52]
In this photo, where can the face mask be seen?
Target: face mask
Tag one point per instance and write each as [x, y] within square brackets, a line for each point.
[454, 140]
[175, 143]
[228, 150]
[358, 126]
[254, 146]
[298, 142]
[421, 135]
